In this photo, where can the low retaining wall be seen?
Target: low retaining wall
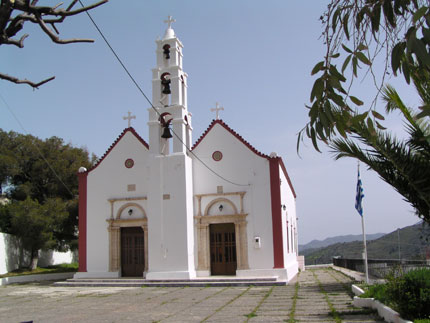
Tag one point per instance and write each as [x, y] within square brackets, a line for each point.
[35, 278]
[379, 268]
[13, 256]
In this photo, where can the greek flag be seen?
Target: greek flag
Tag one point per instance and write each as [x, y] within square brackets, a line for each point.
[359, 196]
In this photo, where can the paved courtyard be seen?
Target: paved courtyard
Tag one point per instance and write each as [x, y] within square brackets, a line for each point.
[319, 295]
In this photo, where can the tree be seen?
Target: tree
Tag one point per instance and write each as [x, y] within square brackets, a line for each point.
[40, 175]
[36, 224]
[13, 15]
[355, 34]
[404, 164]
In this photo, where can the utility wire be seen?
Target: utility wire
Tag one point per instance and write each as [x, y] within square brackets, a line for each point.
[37, 148]
[147, 99]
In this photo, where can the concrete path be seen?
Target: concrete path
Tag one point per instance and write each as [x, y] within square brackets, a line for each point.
[319, 295]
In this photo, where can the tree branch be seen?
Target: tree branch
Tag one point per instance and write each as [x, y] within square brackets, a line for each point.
[55, 38]
[19, 43]
[25, 81]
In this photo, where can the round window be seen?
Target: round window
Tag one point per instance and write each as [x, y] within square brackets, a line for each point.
[217, 155]
[129, 163]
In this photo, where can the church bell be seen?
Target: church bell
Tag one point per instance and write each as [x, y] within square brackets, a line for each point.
[166, 133]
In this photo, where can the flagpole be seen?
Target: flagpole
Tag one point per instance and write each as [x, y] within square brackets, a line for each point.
[365, 250]
[364, 240]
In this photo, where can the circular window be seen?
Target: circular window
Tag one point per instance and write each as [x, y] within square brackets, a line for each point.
[129, 163]
[217, 155]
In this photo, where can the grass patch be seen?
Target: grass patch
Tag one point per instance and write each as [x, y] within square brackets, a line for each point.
[333, 313]
[254, 311]
[229, 302]
[63, 268]
[295, 297]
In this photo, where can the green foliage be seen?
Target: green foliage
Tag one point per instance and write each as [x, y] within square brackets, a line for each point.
[411, 294]
[378, 291]
[40, 179]
[61, 268]
[36, 224]
[354, 34]
[5, 219]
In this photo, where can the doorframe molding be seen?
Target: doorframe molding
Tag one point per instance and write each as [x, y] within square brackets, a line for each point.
[114, 229]
[203, 235]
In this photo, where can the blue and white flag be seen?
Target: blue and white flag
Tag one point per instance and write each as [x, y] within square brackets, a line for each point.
[359, 196]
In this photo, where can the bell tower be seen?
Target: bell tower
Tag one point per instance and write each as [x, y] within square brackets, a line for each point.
[170, 197]
[169, 98]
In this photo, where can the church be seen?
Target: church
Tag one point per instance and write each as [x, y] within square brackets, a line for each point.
[167, 209]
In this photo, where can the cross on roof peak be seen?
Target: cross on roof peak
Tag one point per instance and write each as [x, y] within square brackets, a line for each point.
[129, 117]
[169, 22]
[217, 109]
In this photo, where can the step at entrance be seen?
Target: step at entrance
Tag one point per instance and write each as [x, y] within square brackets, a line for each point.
[135, 282]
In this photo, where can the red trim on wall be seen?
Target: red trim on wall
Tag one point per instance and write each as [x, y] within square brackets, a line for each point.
[275, 192]
[82, 177]
[234, 133]
[284, 170]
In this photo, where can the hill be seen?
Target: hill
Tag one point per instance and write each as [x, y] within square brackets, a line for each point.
[413, 245]
[314, 244]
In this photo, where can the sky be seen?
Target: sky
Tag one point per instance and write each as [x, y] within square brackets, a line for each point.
[253, 57]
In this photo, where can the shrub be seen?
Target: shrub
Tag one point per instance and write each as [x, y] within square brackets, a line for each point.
[378, 291]
[411, 294]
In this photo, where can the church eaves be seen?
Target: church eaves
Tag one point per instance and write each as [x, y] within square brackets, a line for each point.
[130, 129]
[247, 144]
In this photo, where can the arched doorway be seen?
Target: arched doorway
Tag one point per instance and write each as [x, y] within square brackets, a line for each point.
[219, 211]
[128, 241]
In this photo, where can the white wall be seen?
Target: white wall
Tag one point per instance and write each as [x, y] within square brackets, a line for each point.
[242, 166]
[12, 255]
[109, 180]
[288, 199]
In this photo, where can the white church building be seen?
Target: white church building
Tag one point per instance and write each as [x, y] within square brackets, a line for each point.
[165, 209]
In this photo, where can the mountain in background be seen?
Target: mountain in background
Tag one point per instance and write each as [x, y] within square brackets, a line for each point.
[414, 244]
[338, 239]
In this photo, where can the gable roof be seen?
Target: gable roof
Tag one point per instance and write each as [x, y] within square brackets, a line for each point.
[247, 144]
[130, 129]
[234, 133]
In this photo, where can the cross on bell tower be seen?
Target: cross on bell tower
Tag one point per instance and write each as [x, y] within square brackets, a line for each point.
[169, 22]
[217, 109]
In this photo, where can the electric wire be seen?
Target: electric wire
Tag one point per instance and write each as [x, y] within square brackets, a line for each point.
[149, 101]
[37, 148]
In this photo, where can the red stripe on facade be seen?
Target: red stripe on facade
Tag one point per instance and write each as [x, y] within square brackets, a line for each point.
[275, 192]
[82, 222]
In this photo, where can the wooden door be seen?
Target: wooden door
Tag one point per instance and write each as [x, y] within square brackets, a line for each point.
[132, 252]
[223, 249]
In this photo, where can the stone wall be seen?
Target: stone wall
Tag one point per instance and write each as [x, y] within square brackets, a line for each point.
[379, 268]
[13, 256]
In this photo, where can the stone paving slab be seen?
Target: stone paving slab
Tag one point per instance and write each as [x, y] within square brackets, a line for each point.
[47, 303]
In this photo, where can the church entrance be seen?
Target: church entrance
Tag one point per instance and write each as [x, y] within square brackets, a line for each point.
[132, 252]
[223, 249]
